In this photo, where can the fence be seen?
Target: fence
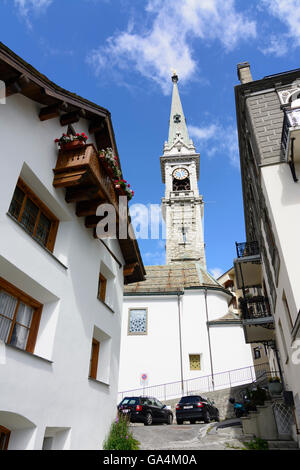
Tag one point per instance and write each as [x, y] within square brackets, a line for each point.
[208, 383]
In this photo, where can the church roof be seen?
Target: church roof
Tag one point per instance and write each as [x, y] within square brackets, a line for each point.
[173, 278]
[177, 119]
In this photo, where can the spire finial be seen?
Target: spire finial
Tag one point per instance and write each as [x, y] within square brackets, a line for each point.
[174, 76]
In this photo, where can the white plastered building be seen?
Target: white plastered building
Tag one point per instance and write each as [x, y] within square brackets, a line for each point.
[61, 288]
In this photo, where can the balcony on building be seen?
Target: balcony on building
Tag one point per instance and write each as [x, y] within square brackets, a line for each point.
[290, 140]
[247, 265]
[258, 322]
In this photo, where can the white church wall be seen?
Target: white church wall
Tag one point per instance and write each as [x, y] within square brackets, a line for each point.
[155, 354]
[194, 333]
[231, 353]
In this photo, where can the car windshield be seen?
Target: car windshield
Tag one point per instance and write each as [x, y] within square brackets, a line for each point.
[130, 401]
[190, 399]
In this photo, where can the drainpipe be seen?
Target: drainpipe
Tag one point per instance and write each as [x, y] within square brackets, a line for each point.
[180, 341]
[209, 342]
[274, 347]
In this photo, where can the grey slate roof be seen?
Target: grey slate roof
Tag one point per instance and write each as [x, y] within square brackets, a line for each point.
[173, 278]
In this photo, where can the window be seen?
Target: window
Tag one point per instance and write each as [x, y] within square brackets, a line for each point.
[19, 317]
[27, 209]
[181, 185]
[102, 288]
[137, 324]
[94, 359]
[256, 352]
[4, 438]
[195, 362]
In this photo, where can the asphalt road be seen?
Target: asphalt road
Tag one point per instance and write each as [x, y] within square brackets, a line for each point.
[212, 436]
[168, 437]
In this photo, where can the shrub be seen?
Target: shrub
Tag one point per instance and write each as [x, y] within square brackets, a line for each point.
[119, 437]
[257, 444]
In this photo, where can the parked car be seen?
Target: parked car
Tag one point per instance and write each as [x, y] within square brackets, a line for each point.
[194, 408]
[145, 410]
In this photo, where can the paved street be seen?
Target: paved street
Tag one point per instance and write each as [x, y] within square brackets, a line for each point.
[187, 437]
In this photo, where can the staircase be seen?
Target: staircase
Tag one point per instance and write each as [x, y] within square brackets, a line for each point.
[272, 422]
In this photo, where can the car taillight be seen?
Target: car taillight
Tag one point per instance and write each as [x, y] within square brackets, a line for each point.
[139, 408]
[200, 405]
[177, 407]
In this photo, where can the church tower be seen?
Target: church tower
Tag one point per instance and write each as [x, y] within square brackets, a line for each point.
[182, 206]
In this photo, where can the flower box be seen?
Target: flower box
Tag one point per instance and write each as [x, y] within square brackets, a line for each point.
[121, 191]
[106, 166]
[71, 142]
[72, 145]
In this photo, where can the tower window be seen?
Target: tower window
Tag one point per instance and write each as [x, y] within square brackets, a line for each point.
[181, 185]
[195, 362]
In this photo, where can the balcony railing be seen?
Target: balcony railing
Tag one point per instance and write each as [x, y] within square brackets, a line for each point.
[291, 121]
[290, 139]
[253, 308]
[247, 249]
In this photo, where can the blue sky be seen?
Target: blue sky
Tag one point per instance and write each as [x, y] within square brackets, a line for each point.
[119, 54]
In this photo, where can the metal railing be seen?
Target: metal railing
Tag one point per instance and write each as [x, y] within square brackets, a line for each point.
[285, 133]
[208, 383]
[291, 119]
[247, 249]
[255, 307]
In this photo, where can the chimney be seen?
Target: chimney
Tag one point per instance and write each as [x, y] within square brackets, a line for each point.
[244, 74]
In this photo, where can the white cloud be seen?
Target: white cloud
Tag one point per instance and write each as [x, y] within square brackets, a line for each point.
[168, 42]
[288, 12]
[216, 272]
[216, 138]
[278, 46]
[26, 7]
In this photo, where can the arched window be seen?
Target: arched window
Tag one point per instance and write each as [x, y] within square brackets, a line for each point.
[181, 185]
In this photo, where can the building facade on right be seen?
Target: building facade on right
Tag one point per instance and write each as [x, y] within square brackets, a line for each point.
[268, 264]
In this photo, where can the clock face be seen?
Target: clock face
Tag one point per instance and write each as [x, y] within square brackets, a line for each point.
[180, 173]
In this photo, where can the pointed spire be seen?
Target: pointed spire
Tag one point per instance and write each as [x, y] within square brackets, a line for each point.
[177, 127]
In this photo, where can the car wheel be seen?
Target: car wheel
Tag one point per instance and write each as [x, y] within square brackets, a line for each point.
[148, 419]
[170, 419]
[218, 418]
[206, 417]
[179, 421]
[192, 421]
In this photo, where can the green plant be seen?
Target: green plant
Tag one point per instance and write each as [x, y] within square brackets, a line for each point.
[119, 437]
[111, 160]
[257, 444]
[258, 396]
[125, 186]
[274, 380]
[66, 138]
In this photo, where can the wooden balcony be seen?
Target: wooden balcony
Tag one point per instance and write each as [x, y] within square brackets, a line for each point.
[82, 174]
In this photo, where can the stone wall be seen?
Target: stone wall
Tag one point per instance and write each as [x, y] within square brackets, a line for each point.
[220, 397]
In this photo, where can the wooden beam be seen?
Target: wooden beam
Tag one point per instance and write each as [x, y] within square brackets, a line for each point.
[96, 126]
[91, 221]
[24, 81]
[12, 89]
[49, 112]
[129, 269]
[69, 118]
[81, 194]
[85, 208]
